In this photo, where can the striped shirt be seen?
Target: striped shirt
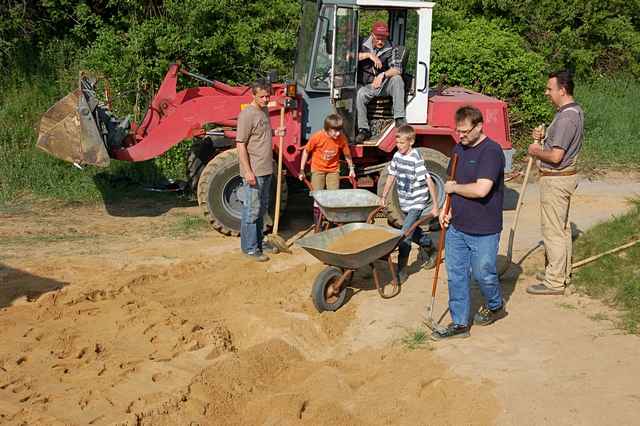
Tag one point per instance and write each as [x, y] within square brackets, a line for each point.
[411, 180]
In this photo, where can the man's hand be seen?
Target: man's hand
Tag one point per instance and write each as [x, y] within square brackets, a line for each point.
[444, 219]
[534, 149]
[435, 211]
[352, 173]
[383, 200]
[280, 131]
[377, 63]
[538, 133]
[377, 82]
[301, 176]
[449, 187]
[250, 178]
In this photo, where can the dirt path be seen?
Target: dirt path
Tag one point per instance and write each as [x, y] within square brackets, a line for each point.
[121, 320]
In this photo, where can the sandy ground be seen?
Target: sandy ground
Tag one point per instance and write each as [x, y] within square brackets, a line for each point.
[108, 316]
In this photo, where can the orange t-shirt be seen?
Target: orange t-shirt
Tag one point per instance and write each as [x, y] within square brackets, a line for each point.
[325, 151]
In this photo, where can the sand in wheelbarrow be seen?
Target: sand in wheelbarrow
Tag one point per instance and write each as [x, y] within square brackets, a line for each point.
[359, 240]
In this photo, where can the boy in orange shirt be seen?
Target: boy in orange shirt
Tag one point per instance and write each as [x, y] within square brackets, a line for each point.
[324, 147]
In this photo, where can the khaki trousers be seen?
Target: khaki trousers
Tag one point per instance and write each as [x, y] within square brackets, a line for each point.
[325, 180]
[555, 200]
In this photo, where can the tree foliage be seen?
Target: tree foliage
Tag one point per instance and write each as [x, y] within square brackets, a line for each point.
[588, 36]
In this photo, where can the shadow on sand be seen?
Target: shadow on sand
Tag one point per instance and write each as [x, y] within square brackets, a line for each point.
[16, 284]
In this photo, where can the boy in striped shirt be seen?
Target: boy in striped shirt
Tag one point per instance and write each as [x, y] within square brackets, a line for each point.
[413, 186]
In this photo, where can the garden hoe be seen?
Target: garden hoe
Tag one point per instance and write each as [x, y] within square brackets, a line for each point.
[512, 232]
[429, 322]
[274, 239]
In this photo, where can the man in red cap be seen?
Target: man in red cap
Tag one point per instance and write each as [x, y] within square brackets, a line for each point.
[380, 69]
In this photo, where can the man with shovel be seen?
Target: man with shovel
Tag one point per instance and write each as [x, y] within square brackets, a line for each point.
[558, 181]
[473, 225]
[253, 141]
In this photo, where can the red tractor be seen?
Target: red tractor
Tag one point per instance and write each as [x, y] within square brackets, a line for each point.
[82, 130]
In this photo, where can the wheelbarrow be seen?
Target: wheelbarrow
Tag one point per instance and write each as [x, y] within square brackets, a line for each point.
[329, 290]
[334, 207]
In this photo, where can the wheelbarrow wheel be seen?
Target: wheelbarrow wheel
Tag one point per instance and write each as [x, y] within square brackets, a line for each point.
[322, 300]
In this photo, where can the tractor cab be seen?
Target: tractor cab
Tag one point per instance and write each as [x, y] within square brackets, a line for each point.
[326, 68]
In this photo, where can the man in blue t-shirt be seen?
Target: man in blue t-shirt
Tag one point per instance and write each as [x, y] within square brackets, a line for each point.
[473, 225]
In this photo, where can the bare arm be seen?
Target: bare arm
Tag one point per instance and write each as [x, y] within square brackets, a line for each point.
[243, 156]
[477, 189]
[387, 187]
[435, 211]
[553, 155]
[303, 163]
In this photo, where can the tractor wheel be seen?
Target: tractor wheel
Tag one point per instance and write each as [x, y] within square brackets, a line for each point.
[325, 278]
[436, 163]
[219, 193]
[200, 154]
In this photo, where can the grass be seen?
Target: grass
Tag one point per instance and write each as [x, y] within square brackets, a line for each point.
[600, 316]
[43, 239]
[189, 226]
[614, 278]
[611, 131]
[610, 105]
[415, 339]
[568, 306]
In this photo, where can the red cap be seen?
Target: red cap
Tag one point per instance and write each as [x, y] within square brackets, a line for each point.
[380, 29]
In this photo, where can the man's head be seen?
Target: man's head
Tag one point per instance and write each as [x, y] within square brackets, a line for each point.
[559, 88]
[261, 92]
[405, 138]
[380, 33]
[333, 125]
[469, 124]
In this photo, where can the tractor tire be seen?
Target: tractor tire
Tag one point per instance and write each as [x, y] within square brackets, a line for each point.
[200, 154]
[436, 163]
[326, 277]
[219, 195]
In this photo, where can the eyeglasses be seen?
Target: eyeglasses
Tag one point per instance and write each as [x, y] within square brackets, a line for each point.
[466, 132]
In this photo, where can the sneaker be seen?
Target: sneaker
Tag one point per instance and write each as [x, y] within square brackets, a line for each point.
[258, 256]
[427, 257]
[363, 135]
[451, 332]
[400, 121]
[486, 316]
[541, 289]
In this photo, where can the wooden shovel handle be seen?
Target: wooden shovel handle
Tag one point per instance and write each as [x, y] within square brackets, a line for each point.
[276, 219]
[443, 230]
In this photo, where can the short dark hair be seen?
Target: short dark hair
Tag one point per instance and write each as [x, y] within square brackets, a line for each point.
[260, 85]
[408, 132]
[333, 121]
[470, 113]
[564, 79]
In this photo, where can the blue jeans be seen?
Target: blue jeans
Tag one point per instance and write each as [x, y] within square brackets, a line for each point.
[466, 254]
[418, 237]
[254, 206]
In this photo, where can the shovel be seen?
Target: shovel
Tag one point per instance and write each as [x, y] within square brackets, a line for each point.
[275, 239]
[429, 322]
[512, 232]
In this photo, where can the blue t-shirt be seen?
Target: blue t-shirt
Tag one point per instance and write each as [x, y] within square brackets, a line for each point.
[479, 216]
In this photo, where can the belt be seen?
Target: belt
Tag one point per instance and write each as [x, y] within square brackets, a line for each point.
[558, 173]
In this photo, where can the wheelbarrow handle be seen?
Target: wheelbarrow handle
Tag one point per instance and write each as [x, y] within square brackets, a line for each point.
[372, 216]
[418, 222]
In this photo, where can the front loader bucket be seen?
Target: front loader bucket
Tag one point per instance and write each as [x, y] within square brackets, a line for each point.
[68, 131]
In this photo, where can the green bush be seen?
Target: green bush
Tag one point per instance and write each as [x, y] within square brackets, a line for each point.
[590, 37]
[484, 57]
